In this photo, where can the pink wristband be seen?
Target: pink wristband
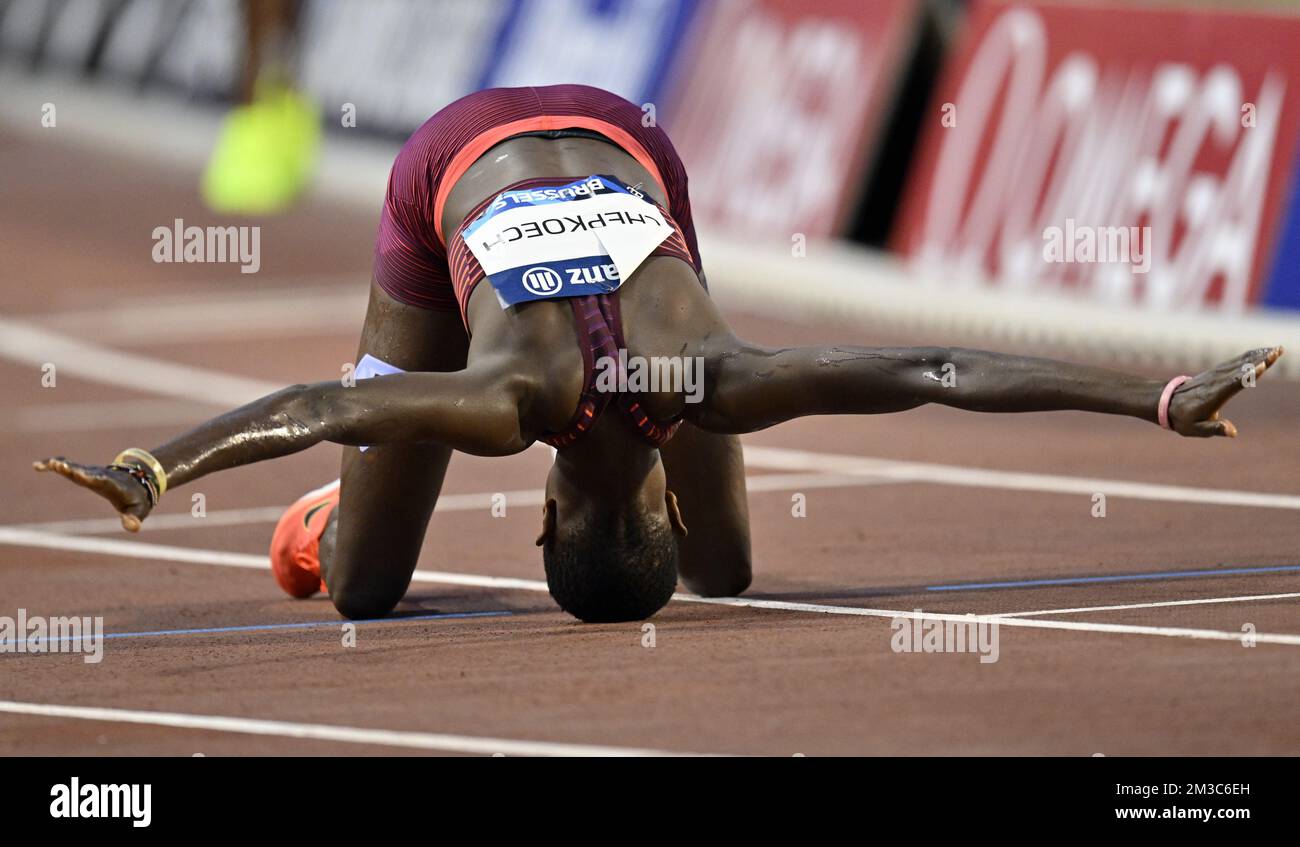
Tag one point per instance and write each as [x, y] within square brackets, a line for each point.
[1162, 411]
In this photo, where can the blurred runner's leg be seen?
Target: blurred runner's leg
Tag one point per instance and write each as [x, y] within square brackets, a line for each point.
[267, 147]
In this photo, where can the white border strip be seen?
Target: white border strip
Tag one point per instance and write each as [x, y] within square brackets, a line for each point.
[781, 459]
[446, 503]
[323, 732]
[1156, 605]
[31, 345]
[109, 415]
[217, 316]
[1076, 626]
[139, 550]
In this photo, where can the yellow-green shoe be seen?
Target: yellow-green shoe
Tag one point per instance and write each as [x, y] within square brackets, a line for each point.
[265, 154]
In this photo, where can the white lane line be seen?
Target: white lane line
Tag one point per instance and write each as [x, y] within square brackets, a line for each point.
[139, 550]
[1077, 626]
[799, 481]
[109, 415]
[130, 549]
[196, 292]
[22, 342]
[446, 503]
[324, 732]
[266, 514]
[231, 317]
[200, 556]
[781, 459]
[1155, 605]
[183, 520]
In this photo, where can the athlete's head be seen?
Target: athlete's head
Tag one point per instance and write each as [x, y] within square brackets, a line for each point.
[610, 552]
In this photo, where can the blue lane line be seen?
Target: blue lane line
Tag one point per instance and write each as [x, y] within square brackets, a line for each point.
[275, 626]
[1136, 577]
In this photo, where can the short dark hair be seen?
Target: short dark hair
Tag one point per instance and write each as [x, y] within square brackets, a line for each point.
[613, 567]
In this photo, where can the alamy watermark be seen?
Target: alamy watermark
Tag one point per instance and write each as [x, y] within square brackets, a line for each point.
[37, 634]
[131, 801]
[200, 244]
[1112, 245]
[639, 374]
[919, 634]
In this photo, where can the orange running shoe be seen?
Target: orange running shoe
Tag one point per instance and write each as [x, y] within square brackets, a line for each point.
[295, 546]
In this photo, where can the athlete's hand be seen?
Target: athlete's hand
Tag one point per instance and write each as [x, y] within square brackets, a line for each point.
[121, 489]
[1194, 408]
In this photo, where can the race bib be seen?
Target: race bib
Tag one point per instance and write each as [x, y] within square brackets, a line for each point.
[564, 241]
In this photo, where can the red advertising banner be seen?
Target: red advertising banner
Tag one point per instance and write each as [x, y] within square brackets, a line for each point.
[1129, 156]
[778, 105]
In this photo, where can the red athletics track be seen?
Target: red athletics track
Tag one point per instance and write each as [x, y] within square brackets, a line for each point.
[75, 240]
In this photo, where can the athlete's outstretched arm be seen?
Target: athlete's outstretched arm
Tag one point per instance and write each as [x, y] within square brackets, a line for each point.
[474, 411]
[749, 388]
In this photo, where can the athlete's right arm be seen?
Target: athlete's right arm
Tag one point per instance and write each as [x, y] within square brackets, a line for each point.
[471, 411]
[477, 411]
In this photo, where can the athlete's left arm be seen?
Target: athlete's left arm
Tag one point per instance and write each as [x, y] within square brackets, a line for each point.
[748, 388]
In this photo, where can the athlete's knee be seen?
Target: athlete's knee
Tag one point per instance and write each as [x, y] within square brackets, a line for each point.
[363, 603]
[358, 589]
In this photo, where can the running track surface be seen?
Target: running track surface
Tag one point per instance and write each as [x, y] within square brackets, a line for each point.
[208, 657]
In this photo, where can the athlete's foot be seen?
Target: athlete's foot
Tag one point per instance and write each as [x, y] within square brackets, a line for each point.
[118, 487]
[295, 546]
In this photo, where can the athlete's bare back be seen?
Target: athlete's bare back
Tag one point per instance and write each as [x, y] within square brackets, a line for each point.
[665, 307]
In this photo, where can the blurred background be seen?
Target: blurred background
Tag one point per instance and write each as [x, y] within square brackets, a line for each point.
[888, 163]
